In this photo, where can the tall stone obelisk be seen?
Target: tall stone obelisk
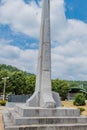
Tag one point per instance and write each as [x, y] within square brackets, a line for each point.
[43, 96]
[43, 81]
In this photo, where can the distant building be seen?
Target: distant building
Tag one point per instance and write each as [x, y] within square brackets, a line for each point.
[74, 90]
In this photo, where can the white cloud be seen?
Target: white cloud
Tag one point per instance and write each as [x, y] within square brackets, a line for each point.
[69, 39]
[21, 17]
[22, 59]
[69, 61]
[69, 52]
[4, 42]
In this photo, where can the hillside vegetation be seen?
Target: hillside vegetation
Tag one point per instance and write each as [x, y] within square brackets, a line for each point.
[21, 82]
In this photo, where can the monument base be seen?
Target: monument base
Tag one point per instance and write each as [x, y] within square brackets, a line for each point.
[23, 117]
[34, 100]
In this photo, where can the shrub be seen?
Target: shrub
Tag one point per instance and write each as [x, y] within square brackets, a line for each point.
[2, 103]
[81, 110]
[79, 99]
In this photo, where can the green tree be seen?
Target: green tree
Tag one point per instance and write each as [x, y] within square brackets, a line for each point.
[60, 86]
[79, 99]
[30, 84]
[18, 82]
[3, 73]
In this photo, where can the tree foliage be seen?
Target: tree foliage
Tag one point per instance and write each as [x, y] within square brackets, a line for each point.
[60, 86]
[21, 82]
[17, 82]
[79, 99]
[30, 84]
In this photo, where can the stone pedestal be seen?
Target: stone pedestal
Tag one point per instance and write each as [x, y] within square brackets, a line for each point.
[30, 118]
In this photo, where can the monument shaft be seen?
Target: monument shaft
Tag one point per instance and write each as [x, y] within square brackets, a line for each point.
[44, 58]
[43, 96]
[43, 80]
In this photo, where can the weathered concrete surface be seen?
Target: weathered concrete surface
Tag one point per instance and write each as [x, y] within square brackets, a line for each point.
[72, 126]
[43, 123]
[18, 120]
[40, 112]
[43, 96]
[18, 98]
[30, 118]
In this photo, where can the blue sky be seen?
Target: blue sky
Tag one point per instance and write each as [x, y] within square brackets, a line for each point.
[20, 29]
[76, 9]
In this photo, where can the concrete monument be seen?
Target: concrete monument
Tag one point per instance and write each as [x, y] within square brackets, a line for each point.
[43, 110]
[43, 95]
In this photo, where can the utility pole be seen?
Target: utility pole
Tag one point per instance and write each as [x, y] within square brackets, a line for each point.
[4, 79]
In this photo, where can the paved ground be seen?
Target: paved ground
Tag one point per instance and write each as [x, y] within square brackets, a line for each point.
[1, 121]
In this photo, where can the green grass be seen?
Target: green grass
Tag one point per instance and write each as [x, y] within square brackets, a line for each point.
[70, 104]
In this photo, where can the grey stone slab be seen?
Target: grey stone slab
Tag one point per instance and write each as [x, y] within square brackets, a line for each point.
[12, 104]
[18, 120]
[71, 126]
[11, 128]
[41, 112]
[50, 127]
[18, 98]
[7, 120]
[47, 119]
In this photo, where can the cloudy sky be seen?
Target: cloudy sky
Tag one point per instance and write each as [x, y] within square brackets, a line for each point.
[20, 29]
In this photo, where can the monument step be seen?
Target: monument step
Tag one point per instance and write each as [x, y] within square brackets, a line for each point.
[26, 111]
[49, 127]
[73, 126]
[7, 120]
[18, 120]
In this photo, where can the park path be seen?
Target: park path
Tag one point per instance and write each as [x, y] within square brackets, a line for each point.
[1, 123]
[2, 109]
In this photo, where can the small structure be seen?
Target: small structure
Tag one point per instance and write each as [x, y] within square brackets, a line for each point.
[18, 98]
[74, 90]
